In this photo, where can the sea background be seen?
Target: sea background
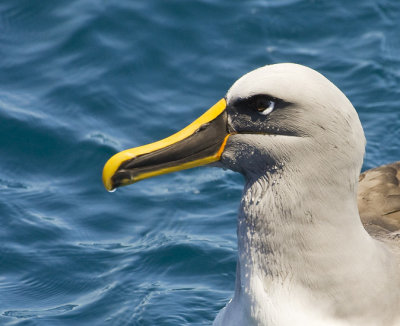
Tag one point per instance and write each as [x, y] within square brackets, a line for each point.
[83, 79]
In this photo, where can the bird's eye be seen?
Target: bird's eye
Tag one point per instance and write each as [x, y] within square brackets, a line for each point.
[266, 108]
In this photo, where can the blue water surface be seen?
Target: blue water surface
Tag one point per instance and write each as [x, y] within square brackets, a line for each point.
[83, 79]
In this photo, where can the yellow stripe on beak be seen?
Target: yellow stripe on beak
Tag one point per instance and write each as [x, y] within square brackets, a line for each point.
[120, 169]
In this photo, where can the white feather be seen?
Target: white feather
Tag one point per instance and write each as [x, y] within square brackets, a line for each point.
[304, 257]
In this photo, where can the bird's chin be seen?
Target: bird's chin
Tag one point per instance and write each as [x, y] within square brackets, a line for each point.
[238, 153]
[252, 155]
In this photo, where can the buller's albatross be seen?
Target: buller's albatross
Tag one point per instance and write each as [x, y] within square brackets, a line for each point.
[304, 256]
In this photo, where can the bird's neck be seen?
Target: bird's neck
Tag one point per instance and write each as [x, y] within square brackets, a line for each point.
[301, 227]
[307, 240]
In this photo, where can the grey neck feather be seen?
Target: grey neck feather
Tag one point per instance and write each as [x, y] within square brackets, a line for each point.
[304, 240]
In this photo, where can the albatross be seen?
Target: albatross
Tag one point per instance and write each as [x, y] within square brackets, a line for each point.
[318, 243]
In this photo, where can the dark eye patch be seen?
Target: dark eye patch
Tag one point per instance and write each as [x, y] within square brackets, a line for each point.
[245, 116]
[255, 102]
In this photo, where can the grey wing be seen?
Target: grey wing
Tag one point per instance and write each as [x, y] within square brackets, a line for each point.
[379, 201]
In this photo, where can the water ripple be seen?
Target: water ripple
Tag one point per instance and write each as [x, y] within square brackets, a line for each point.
[40, 313]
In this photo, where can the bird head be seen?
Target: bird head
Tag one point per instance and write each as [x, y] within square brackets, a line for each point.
[277, 115]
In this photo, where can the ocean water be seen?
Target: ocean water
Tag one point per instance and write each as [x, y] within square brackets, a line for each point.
[83, 79]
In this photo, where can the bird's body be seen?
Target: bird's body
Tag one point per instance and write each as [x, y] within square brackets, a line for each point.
[304, 256]
[311, 266]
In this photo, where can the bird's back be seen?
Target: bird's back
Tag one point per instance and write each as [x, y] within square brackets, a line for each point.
[379, 202]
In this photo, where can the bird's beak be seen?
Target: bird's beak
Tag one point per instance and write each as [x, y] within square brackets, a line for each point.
[202, 142]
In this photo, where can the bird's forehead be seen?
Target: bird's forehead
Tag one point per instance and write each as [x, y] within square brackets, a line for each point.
[311, 95]
[290, 82]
